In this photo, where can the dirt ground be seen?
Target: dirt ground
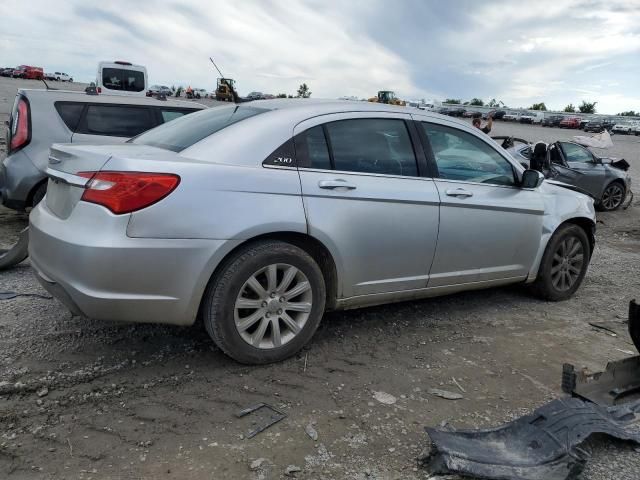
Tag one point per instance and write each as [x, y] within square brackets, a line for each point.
[94, 400]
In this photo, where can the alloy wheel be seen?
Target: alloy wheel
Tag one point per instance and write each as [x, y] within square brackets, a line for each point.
[567, 265]
[612, 196]
[273, 306]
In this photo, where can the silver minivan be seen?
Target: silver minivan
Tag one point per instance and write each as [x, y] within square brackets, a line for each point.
[258, 217]
[40, 118]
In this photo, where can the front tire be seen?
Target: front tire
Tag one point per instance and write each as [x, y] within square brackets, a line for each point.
[612, 197]
[564, 264]
[265, 304]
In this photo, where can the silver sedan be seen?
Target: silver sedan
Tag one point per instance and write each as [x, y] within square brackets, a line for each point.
[261, 216]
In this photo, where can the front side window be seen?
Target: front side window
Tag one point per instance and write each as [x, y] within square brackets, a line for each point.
[121, 79]
[464, 157]
[372, 145]
[189, 129]
[576, 153]
[117, 120]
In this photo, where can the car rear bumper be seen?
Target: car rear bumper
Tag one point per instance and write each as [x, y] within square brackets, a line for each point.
[89, 264]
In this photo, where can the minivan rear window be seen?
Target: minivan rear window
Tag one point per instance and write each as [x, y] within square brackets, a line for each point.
[70, 112]
[183, 132]
[121, 79]
[116, 120]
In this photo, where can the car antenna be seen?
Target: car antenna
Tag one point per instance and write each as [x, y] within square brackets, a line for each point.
[45, 84]
[236, 98]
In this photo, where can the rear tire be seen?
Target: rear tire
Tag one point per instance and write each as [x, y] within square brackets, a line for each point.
[564, 264]
[251, 308]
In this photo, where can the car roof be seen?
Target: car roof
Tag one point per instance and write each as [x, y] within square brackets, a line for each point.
[75, 96]
[299, 109]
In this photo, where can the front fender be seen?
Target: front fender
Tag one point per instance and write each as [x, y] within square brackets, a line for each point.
[562, 206]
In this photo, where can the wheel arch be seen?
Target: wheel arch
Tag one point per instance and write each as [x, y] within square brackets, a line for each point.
[612, 180]
[311, 245]
[32, 192]
[586, 223]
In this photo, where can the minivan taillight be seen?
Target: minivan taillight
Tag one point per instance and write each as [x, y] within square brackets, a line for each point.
[126, 192]
[20, 125]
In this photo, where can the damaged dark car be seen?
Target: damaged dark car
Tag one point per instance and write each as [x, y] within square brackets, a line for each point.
[606, 179]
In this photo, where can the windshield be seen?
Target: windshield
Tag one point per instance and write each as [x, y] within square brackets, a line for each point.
[190, 129]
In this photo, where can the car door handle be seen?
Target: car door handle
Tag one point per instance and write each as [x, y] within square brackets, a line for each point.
[459, 192]
[338, 183]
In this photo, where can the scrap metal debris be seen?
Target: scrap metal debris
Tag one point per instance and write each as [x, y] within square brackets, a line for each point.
[620, 378]
[445, 394]
[311, 432]
[542, 446]
[10, 295]
[274, 418]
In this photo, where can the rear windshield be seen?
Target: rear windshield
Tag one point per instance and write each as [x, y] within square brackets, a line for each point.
[190, 129]
[121, 79]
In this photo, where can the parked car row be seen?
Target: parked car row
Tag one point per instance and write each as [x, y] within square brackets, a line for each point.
[27, 72]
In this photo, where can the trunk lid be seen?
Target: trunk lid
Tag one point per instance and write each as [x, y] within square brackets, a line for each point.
[66, 161]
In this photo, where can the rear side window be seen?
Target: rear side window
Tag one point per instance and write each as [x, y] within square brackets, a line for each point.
[372, 145]
[70, 112]
[116, 120]
[121, 79]
[312, 150]
[190, 129]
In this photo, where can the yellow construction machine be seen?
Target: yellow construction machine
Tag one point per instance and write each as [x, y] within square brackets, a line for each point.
[388, 97]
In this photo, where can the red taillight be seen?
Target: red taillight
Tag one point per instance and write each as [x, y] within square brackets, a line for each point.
[20, 126]
[99, 89]
[126, 192]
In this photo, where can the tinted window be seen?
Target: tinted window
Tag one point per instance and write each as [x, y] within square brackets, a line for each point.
[190, 129]
[168, 115]
[70, 113]
[576, 153]
[462, 156]
[117, 120]
[312, 150]
[120, 79]
[372, 145]
[283, 156]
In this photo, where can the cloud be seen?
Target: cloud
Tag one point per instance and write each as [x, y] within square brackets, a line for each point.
[520, 53]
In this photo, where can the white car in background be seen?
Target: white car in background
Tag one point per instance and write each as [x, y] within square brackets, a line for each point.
[511, 117]
[623, 127]
[62, 77]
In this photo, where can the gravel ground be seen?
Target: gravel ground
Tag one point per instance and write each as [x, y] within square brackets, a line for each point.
[86, 399]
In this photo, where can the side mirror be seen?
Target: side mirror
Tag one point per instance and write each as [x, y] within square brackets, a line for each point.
[531, 179]
[597, 161]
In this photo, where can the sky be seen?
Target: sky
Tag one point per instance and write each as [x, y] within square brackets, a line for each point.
[519, 52]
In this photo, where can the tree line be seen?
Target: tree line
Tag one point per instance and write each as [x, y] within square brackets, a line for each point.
[585, 107]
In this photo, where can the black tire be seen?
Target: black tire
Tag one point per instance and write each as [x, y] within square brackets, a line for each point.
[615, 189]
[218, 306]
[17, 253]
[546, 285]
[39, 194]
